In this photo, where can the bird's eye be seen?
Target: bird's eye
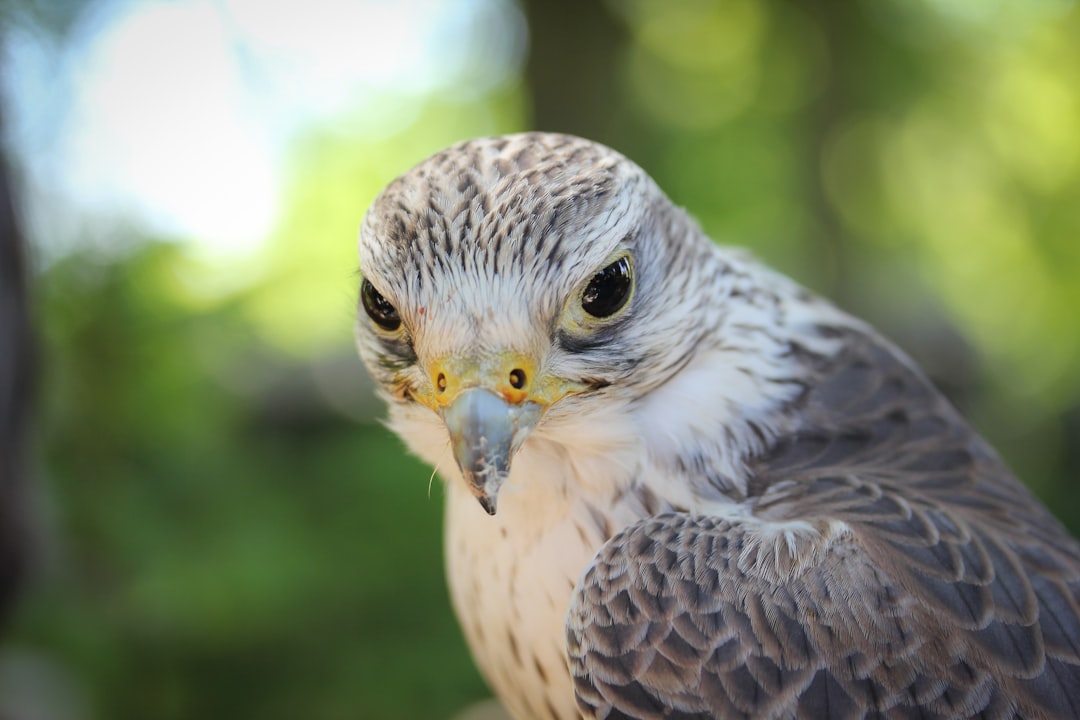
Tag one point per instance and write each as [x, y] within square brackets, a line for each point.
[609, 289]
[378, 308]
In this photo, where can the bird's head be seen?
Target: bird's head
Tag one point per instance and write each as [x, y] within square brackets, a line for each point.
[508, 283]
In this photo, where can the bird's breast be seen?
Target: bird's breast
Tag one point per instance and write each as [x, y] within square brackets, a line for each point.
[511, 577]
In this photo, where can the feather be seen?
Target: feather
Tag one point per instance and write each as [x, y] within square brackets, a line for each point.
[737, 501]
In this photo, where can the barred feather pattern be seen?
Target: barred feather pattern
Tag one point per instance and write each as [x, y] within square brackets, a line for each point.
[922, 579]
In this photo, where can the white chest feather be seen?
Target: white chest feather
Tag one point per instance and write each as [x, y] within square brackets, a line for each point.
[511, 575]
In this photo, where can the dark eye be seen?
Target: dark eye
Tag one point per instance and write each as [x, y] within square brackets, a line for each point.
[379, 308]
[609, 289]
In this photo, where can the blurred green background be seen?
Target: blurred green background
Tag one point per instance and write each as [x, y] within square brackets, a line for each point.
[225, 529]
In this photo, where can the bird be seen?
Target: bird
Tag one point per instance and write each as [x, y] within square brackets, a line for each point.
[681, 485]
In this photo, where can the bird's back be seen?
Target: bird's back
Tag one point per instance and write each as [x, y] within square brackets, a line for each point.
[890, 565]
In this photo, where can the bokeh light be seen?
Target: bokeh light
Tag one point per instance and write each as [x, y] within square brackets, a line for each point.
[224, 528]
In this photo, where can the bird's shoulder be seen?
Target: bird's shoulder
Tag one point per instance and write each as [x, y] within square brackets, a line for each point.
[871, 437]
[885, 561]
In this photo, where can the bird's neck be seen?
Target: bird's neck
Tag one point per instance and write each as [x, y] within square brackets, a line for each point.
[686, 443]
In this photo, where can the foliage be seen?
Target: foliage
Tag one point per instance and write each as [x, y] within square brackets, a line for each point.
[229, 533]
[225, 550]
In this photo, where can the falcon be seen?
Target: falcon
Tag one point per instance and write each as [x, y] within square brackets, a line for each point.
[679, 485]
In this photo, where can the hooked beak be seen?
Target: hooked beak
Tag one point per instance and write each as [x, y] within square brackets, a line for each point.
[490, 404]
[485, 432]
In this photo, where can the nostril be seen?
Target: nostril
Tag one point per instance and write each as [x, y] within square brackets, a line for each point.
[517, 378]
[440, 382]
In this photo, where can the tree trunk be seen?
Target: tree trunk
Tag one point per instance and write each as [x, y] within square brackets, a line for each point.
[16, 391]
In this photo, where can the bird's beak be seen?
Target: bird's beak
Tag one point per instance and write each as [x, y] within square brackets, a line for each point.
[485, 432]
[490, 404]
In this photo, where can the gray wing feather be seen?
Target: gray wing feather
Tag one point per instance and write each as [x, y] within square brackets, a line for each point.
[919, 578]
